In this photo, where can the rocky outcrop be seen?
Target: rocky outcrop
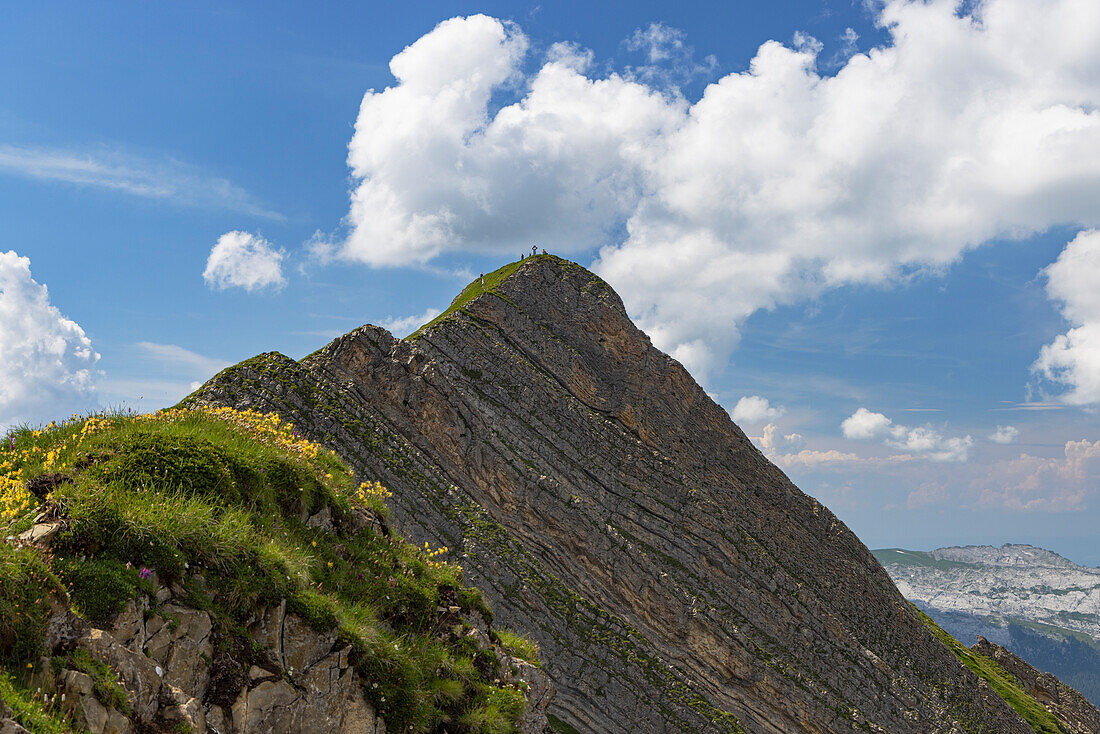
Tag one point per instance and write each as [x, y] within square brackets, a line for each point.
[675, 579]
[164, 672]
[1058, 698]
[172, 678]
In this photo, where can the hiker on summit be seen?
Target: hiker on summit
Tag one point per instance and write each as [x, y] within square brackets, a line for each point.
[534, 250]
[483, 280]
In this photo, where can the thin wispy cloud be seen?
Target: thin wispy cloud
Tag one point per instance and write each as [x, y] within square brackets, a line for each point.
[184, 360]
[162, 179]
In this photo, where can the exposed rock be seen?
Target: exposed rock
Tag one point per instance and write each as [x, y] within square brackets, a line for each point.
[9, 726]
[41, 533]
[1058, 698]
[674, 578]
[305, 683]
[139, 675]
[180, 708]
[117, 723]
[538, 690]
[188, 662]
[322, 520]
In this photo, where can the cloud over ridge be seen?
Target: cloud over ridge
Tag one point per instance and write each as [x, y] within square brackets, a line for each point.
[778, 183]
[918, 440]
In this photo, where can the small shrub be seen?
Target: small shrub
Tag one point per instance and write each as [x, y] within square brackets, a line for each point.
[517, 646]
[106, 685]
[99, 588]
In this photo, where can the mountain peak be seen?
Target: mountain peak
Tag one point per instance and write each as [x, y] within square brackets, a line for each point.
[675, 579]
[539, 275]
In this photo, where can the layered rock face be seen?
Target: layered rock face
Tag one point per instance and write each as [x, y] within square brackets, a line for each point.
[675, 579]
[1058, 698]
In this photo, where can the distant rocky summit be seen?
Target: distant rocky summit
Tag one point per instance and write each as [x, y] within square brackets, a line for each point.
[673, 577]
[1032, 601]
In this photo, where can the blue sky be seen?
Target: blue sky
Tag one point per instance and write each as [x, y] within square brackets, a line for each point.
[851, 221]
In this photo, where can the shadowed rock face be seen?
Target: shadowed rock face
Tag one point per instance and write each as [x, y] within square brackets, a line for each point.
[675, 579]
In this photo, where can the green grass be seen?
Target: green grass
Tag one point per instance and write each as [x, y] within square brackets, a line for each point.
[902, 557]
[517, 645]
[1003, 682]
[475, 289]
[559, 726]
[227, 495]
[30, 710]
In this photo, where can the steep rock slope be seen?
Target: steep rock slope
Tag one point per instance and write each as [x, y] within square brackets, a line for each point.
[675, 579]
[1032, 601]
[1053, 694]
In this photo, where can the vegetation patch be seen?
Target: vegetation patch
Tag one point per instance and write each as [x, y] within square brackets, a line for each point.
[30, 710]
[488, 284]
[518, 646]
[240, 511]
[1003, 682]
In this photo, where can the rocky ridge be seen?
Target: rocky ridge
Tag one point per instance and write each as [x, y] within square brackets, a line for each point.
[162, 654]
[1054, 695]
[675, 579]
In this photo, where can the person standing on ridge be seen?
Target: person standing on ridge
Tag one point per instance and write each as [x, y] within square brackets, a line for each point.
[483, 280]
[534, 250]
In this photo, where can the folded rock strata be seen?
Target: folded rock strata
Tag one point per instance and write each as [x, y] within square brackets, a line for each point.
[675, 579]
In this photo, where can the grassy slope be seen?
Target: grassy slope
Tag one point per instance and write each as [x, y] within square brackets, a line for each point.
[903, 557]
[167, 496]
[1003, 682]
[475, 289]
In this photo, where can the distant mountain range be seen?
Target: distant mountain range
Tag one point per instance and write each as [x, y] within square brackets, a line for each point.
[1032, 601]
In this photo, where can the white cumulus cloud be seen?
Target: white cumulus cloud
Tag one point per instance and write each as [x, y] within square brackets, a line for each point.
[755, 409]
[47, 363]
[244, 260]
[1005, 434]
[776, 185]
[922, 441]
[1072, 360]
[775, 442]
[1060, 484]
